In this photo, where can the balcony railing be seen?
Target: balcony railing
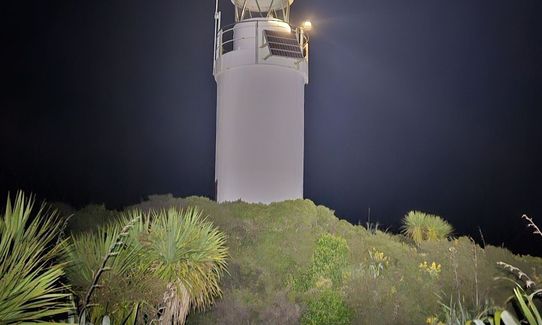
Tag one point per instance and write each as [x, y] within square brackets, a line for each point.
[226, 40]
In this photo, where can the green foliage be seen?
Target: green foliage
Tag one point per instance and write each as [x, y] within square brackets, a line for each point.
[414, 226]
[123, 287]
[272, 249]
[378, 262]
[456, 312]
[187, 252]
[437, 228]
[330, 258]
[328, 307]
[520, 306]
[523, 302]
[128, 314]
[86, 252]
[171, 258]
[272, 245]
[527, 306]
[90, 218]
[498, 317]
[420, 226]
[30, 287]
[283, 310]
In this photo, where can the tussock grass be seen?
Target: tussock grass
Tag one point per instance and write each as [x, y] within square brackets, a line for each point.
[420, 226]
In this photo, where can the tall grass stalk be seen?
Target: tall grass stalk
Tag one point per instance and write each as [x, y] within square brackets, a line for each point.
[531, 224]
[522, 276]
[108, 258]
[475, 261]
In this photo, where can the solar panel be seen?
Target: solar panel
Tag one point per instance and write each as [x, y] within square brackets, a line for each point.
[283, 44]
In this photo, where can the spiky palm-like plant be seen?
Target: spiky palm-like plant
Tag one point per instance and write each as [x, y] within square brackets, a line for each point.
[414, 225]
[30, 288]
[190, 254]
[420, 226]
[437, 228]
[170, 259]
[86, 251]
[107, 271]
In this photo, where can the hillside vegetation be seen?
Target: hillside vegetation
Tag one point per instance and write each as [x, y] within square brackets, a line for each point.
[295, 262]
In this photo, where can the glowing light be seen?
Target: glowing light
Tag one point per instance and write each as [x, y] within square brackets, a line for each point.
[307, 25]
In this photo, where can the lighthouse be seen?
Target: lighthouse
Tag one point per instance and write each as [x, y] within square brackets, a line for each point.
[261, 69]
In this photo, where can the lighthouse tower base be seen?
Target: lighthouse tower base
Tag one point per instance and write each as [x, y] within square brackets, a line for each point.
[260, 119]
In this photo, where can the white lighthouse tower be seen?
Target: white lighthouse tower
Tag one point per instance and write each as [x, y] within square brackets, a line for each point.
[261, 69]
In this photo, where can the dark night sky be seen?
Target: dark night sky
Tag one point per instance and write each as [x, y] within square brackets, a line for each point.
[431, 105]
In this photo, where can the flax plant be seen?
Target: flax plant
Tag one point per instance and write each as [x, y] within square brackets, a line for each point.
[30, 287]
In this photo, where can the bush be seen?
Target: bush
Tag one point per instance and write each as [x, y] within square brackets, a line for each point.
[90, 218]
[273, 247]
[189, 253]
[231, 311]
[282, 311]
[327, 308]
[420, 226]
[123, 286]
[330, 258]
[171, 260]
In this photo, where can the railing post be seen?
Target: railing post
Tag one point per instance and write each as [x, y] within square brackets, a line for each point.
[217, 28]
[257, 43]
[221, 47]
[306, 48]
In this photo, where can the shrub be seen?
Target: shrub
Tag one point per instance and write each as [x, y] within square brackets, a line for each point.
[433, 269]
[171, 260]
[437, 228]
[327, 308]
[524, 303]
[188, 253]
[90, 218]
[124, 283]
[378, 262]
[231, 311]
[29, 272]
[420, 226]
[282, 311]
[330, 258]
[328, 263]
[271, 245]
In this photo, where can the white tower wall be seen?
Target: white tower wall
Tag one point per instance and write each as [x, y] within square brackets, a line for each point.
[260, 118]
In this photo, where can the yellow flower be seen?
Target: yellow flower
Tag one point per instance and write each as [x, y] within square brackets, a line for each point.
[433, 269]
[378, 262]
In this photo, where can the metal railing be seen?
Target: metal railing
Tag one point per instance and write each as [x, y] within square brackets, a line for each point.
[225, 39]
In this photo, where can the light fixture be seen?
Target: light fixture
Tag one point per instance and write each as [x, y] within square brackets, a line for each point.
[307, 25]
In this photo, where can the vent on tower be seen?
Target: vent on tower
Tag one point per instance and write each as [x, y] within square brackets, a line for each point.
[283, 44]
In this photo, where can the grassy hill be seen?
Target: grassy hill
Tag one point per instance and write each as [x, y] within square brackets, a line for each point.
[294, 261]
